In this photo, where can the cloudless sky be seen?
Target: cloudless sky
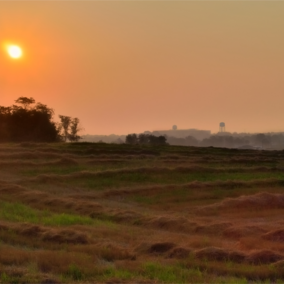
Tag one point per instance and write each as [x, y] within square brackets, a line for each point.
[130, 66]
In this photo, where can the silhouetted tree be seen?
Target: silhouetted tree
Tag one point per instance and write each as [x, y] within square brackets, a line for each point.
[145, 139]
[191, 141]
[74, 129]
[65, 124]
[131, 139]
[262, 139]
[26, 123]
[69, 128]
[155, 141]
[26, 102]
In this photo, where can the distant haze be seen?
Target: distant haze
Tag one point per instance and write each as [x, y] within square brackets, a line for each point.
[124, 67]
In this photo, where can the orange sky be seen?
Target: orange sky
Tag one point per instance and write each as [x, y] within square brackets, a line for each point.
[129, 66]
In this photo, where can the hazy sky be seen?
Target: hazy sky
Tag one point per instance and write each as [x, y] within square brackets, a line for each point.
[129, 66]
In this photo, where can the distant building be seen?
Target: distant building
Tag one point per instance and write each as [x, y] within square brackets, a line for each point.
[182, 133]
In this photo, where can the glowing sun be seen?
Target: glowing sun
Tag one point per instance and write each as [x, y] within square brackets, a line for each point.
[14, 51]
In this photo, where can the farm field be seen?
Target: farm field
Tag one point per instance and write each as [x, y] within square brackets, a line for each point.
[106, 213]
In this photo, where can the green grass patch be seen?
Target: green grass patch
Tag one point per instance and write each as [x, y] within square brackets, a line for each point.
[17, 212]
[172, 274]
[121, 274]
[156, 272]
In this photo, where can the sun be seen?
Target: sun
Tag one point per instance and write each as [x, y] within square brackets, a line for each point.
[14, 51]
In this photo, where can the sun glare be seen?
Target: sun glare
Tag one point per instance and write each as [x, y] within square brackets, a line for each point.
[14, 51]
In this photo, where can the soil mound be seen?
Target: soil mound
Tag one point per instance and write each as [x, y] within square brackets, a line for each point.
[65, 236]
[214, 253]
[127, 216]
[163, 247]
[179, 252]
[237, 232]
[155, 248]
[263, 257]
[111, 252]
[276, 235]
[30, 230]
[84, 207]
[236, 256]
[172, 224]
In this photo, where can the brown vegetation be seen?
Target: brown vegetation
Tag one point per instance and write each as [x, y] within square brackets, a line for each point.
[194, 229]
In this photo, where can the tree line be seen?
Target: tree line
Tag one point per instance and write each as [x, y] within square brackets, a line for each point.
[145, 139]
[261, 140]
[27, 120]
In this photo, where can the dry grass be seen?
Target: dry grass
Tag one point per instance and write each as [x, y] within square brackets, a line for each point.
[262, 200]
[46, 233]
[164, 215]
[275, 235]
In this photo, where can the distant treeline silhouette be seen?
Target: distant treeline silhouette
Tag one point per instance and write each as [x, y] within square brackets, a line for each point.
[30, 121]
[227, 140]
[260, 140]
[145, 139]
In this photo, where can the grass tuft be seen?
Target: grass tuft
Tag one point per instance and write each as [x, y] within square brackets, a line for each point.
[17, 212]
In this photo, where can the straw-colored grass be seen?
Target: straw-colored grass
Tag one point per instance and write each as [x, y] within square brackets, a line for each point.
[102, 213]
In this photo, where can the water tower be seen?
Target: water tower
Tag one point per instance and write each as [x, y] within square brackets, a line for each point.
[222, 127]
[174, 127]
